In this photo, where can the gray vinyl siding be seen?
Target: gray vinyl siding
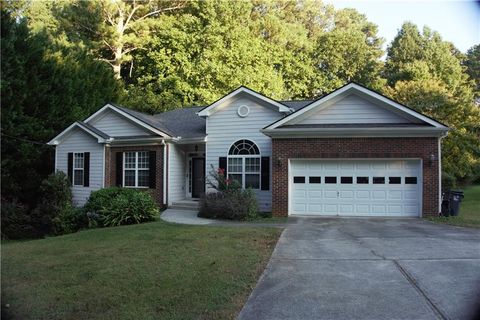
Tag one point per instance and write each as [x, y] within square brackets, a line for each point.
[80, 141]
[352, 109]
[176, 177]
[224, 127]
[116, 125]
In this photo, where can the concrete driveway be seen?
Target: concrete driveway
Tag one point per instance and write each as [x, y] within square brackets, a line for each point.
[361, 268]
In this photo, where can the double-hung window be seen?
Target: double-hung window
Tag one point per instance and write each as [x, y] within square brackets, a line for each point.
[244, 164]
[136, 170]
[78, 169]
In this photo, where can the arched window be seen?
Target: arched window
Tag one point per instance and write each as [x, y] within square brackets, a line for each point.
[244, 164]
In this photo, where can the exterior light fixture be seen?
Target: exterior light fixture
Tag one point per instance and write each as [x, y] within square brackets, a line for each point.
[431, 159]
[279, 162]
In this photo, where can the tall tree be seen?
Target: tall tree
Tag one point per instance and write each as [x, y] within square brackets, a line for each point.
[111, 29]
[351, 51]
[43, 90]
[426, 73]
[198, 56]
[472, 62]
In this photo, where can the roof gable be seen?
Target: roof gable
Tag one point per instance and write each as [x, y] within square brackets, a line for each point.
[117, 125]
[101, 137]
[353, 109]
[144, 121]
[209, 110]
[371, 97]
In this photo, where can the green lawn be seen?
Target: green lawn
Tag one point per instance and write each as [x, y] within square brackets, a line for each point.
[150, 271]
[469, 209]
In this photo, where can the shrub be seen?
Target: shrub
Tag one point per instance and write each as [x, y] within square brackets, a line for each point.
[55, 213]
[120, 206]
[229, 201]
[16, 221]
[102, 198]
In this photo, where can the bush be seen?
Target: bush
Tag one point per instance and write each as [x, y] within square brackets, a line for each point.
[55, 213]
[229, 201]
[120, 206]
[16, 221]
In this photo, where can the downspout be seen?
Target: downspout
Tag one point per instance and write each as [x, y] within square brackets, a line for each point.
[165, 172]
[440, 171]
[56, 161]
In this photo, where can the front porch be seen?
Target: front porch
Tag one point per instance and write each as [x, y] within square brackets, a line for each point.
[185, 175]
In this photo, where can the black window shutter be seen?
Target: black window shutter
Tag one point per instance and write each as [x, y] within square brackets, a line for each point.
[265, 173]
[153, 169]
[70, 167]
[119, 168]
[222, 164]
[86, 169]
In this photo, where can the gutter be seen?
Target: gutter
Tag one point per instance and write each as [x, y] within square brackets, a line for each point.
[354, 132]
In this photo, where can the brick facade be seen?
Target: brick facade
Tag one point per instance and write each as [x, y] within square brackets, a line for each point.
[111, 166]
[351, 148]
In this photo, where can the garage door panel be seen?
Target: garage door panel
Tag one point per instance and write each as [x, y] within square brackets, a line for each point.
[410, 209]
[362, 208]
[379, 195]
[379, 165]
[379, 208]
[394, 195]
[315, 194]
[411, 195]
[362, 166]
[347, 166]
[299, 194]
[300, 208]
[363, 194]
[315, 208]
[346, 194]
[330, 194]
[330, 166]
[351, 190]
[331, 208]
[347, 209]
[395, 209]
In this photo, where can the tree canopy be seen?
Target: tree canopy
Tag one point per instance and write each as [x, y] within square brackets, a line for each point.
[44, 89]
[426, 73]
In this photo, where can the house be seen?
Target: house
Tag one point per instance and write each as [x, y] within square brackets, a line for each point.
[352, 152]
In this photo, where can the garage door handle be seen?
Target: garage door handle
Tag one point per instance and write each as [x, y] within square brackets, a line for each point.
[338, 194]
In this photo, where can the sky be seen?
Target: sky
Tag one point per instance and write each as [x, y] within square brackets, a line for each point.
[456, 21]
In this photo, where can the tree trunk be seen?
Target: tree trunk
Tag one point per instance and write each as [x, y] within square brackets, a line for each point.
[117, 64]
[118, 54]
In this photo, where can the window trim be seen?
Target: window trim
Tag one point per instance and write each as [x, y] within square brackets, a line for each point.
[74, 168]
[243, 157]
[244, 173]
[136, 169]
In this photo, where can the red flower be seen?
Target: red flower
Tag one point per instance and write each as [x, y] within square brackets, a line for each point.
[221, 170]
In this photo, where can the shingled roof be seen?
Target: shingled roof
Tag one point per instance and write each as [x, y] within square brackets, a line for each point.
[184, 122]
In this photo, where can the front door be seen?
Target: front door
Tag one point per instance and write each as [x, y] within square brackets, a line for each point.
[198, 177]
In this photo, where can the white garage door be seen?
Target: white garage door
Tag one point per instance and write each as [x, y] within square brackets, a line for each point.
[355, 187]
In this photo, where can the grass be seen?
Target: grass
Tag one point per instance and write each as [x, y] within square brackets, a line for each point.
[469, 210]
[150, 271]
[268, 219]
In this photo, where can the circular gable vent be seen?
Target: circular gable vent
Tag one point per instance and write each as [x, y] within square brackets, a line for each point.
[243, 111]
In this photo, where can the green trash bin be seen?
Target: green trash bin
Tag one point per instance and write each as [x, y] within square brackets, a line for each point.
[451, 202]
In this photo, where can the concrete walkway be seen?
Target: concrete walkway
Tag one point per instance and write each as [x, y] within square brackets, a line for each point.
[369, 269]
[185, 216]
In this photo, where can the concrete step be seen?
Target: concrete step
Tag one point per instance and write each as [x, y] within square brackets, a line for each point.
[185, 205]
[183, 208]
